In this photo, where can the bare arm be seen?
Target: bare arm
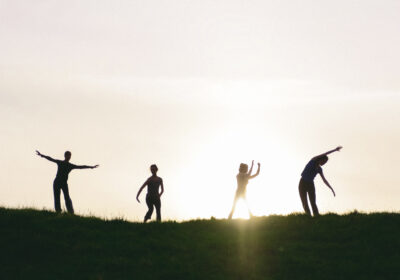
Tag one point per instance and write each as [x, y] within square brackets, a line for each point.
[337, 149]
[258, 172]
[140, 190]
[46, 157]
[162, 188]
[85, 166]
[251, 168]
[326, 182]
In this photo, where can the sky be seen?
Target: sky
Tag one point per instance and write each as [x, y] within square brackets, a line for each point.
[197, 87]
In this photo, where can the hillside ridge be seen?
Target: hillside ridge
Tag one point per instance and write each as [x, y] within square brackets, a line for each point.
[44, 245]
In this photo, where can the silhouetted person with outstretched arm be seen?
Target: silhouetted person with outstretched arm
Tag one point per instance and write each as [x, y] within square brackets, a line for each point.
[306, 184]
[60, 182]
[243, 178]
[153, 196]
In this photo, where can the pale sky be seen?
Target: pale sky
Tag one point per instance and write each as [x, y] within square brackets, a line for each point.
[198, 87]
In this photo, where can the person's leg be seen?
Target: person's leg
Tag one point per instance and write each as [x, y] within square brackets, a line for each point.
[56, 192]
[157, 204]
[303, 196]
[67, 198]
[313, 202]
[248, 208]
[233, 207]
[149, 203]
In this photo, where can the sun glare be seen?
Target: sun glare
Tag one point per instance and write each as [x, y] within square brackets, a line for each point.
[215, 167]
[241, 210]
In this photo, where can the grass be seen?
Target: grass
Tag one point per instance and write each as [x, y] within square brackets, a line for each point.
[44, 245]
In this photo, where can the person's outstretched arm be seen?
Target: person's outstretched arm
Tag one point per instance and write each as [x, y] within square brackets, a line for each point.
[140, 190]
[85, 166]
[258, 171]
[251, 168]
[337, 149]
[162, 188]
[46, 157]
[326, 182]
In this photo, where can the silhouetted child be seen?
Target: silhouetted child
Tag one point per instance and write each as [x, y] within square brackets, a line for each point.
[60, 182]
[243, 178]
[153, 184]
[306, 184]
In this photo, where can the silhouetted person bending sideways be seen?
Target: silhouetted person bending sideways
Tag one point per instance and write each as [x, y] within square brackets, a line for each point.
[306, 185]
[243, 178]
[60, 182]
[153, 196]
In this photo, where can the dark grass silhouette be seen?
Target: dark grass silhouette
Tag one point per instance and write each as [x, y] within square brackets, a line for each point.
[45, 245]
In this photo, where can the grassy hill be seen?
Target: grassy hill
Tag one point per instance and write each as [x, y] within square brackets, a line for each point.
[44, 245]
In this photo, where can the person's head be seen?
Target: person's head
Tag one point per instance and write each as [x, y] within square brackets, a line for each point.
[153, 169]
[322, 160]
[243, 168]
[67, 155]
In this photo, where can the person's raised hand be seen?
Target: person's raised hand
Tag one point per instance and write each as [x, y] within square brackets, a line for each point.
[38, 153]
[339, 148]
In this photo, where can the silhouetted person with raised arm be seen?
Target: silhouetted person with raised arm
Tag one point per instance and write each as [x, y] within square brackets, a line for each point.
[243, 178]
[306, 184]
[60, 182]
[153, 196]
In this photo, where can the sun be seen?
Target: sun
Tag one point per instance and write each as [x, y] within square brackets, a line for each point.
[241, 211]
[210, 177]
